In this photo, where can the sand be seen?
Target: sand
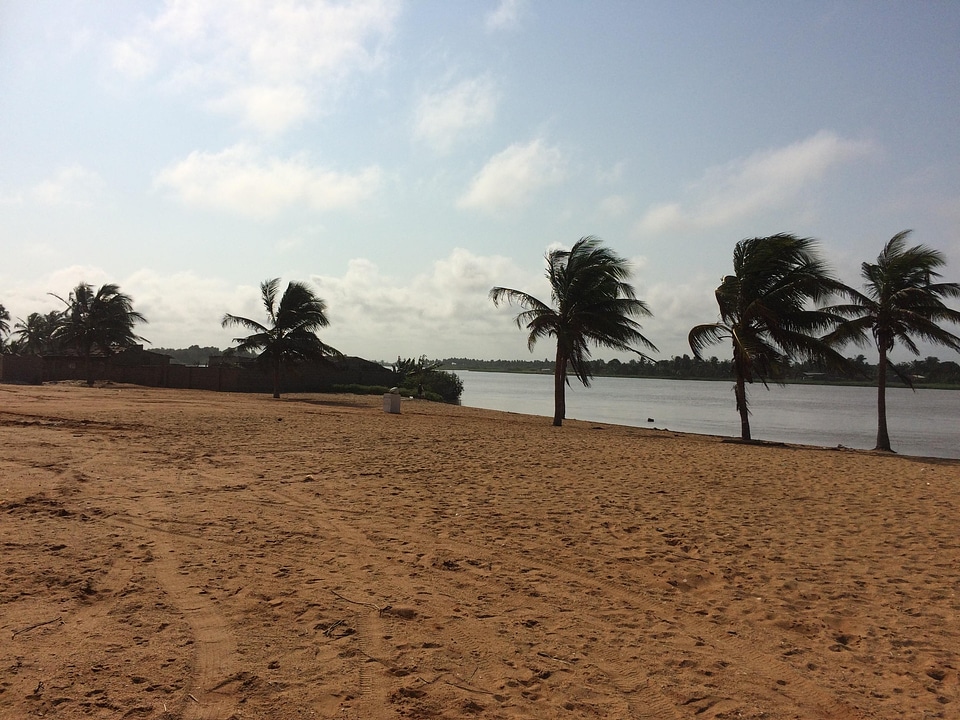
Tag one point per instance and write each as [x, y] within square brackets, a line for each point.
[184, 554]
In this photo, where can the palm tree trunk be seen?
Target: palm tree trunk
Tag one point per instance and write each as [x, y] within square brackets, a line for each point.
[883, 439]
[559, 389]
[741, 395]
[740, 391]
[276, 378]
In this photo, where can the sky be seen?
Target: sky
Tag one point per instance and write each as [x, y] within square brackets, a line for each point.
[405, 157]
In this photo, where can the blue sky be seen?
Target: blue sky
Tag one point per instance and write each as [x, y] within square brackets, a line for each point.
[404, 157]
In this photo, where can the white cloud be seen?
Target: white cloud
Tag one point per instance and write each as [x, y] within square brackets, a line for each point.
[182, 308]
[612, 175]
[665, 217]
[185, 309]
[443, 312]
[72, 185]
[133, 57]
[240, 180]
[440, 312]
[272, 108]
[441, 117]
[766, 179]
[22, 297]
[511, 177]
[246, 56]
[614, 205]
[506, 16]
[676, 308]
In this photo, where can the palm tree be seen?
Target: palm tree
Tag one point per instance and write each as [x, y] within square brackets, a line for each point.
[35, 335]
[765, 312]
[4, 324]
[291, 334]
[899, 302]
[427, 379]
[101, 320]
[594, 305]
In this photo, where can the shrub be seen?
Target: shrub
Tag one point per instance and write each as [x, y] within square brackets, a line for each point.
[438, 385]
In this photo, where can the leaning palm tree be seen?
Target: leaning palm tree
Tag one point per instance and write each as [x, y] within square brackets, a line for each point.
[765, 312]
[899, 302]
[100, 320]
[594, 305]
[291, 333]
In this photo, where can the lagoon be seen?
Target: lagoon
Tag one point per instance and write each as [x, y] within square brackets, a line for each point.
[922, 423]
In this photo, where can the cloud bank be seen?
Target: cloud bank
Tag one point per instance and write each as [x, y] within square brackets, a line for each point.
[242, 181]
[506, 16]
[269, 63]
[69, 186]
[443, 117]
[743, 187]
[512, 177]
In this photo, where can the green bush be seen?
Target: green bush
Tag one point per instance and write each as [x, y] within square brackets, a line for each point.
[438, 385]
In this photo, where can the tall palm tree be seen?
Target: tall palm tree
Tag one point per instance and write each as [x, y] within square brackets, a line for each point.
[35, 335]
[291, 333]
[594, 305]
[899, 302]
[765, 312]
[100, 320]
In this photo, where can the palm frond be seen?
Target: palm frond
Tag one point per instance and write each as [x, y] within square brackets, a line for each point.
[268, 293]
[236, 320]
[501, 295]
[701, 337]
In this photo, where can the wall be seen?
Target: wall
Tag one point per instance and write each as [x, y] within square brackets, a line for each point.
[307, 377]
[23, 369]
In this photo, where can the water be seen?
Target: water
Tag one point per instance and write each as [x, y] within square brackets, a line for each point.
[924, 423]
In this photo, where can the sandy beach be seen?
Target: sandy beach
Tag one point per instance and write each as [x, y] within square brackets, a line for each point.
[185, 554]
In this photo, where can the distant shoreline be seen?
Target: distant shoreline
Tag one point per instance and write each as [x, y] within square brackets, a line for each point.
[792, 381]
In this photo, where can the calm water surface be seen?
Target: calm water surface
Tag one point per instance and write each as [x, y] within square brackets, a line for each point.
[925, 422]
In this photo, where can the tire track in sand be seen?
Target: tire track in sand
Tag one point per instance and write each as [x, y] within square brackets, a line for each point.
[372, 655]
[642, 696]
[207, 694]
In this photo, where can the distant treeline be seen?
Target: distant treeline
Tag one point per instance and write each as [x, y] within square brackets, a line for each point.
[930, 371]
[195, 355]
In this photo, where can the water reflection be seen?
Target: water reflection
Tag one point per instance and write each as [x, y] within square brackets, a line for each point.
[924, 422]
